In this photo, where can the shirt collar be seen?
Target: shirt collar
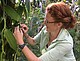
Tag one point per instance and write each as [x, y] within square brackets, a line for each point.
[61, 35]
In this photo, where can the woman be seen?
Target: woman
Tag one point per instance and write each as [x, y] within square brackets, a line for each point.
[56, 44]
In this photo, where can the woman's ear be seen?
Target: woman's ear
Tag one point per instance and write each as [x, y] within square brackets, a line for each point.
[60, 24]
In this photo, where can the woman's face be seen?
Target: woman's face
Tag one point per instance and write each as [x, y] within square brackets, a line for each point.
[50, 23]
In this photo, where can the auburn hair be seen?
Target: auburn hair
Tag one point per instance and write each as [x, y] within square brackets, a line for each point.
[62, 13]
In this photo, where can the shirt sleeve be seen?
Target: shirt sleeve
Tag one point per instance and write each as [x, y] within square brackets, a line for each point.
[56, 53]
[37, 38]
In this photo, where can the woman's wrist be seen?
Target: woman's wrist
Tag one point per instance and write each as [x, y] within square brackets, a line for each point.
[22, 46]
[20, 42]
[27, 36]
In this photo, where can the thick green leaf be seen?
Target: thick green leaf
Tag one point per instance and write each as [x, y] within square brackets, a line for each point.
[20, 10]
[27, 8]
[26, 12]
[10, 39]
[28, 5]
[12, 13]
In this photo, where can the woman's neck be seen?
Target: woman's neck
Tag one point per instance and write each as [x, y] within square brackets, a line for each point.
[53, 35]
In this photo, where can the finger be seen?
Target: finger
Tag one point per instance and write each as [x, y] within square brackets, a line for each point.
[22, 25]
[21, 31]
[17, 28]
[24, 28]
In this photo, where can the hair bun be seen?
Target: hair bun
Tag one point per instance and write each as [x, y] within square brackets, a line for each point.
[67, 19]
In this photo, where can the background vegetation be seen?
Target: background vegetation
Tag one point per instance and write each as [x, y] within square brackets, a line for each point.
[14, 12]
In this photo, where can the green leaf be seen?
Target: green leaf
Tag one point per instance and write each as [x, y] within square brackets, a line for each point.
[12, 13]
[28, 5]
[10, 39]
[27, 8]
[20, 10]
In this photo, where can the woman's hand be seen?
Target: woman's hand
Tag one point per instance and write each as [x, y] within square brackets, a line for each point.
[18, 34]
[24, 28]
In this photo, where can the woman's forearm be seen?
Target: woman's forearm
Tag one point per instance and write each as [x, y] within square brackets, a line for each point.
[30, 39]
[29, 54]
